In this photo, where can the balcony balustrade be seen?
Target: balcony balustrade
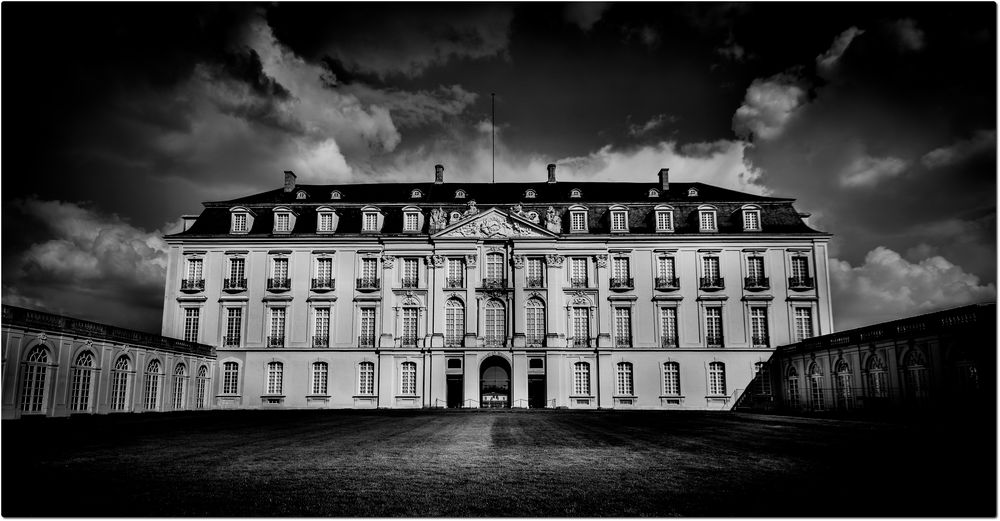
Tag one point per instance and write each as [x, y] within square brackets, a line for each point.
[276, 341]
[494, 341]
[668, 341]
[321, 341]
[534, 282]
[713, 340]
[713, 283]
[759, 340]
[453, 341]
[366, 341]
[623, 341]
[620, 283]
[455, 282]
[367, 283]
[324, 284]
[581, 341]
[578, 282]
[231, 341]
[234, 284]
[667, 283]
[192, 284]
[494, 283]
[534, 340]
[279, 284]
[756, 283]
[408, 282]
[800, 282]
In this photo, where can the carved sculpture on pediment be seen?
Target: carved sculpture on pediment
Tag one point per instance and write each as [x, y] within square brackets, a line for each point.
[531, 216]
[553, 222]
[555, 261]
[437, 261]
[438, 219]
[517, 210]
[602, 260]
[472, 210]
[454, 218]
[493, 225]
[517, 261]
[388, 261]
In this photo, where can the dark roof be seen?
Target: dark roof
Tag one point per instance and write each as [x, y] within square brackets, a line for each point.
[777, 214]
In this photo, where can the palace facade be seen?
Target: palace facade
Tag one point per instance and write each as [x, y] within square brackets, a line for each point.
[548, 294]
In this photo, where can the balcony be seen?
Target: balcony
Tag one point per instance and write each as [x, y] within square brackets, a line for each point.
[493, 283]
[231, 341]
[408, 341]
[454, 282]
[802, 282]
[581, 341]
[713, 283]
[534, 341]
[578, 282]
[623, 341]
[279, 284]
[759, 341]
[366, 341]
[756, 283]
[668, 341]
[620, 283]
[234, 285]
[713, 340]
[276, 341]
[491, 341]
[453, 341]
[367, 284]
[191, 285]
[408, 282]
[668, 283]
[534, 282]
[324, 284]
[321, 341]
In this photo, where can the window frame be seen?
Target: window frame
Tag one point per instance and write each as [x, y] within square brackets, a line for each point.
[617, 213]
[754, 211]
[704, 211]
[664, 211]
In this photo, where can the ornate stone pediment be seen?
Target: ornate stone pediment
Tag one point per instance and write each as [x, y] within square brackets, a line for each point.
[494, 224]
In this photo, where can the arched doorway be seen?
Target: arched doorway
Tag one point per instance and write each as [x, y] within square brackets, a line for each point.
[494, 383]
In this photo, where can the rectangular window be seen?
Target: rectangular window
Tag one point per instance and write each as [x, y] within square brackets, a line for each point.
[279, 269]
[410, 221]
[665, 273]
[366, 378]
[623, 327]
[578, 221]
[275, 377]
[237, 271]
[619, 268]
[321, 331]
[326, 222]
[713, 326]
[707, 220]
[194, 269]
[581, 327]
[581, 378]
[230, 378]
[368, 268]
[277, 336]
[717, 379]
[578, 272]
[367, 327]
[755, 268]
[234, 327]
[191, 316]
[758, 326]
[494, 266]
[619, 221]
[409, 326]
[320, 373]
[456, 273]
[239, 222]
[410, 267]
[371, 222]
[625, 385]
[534, 322]
[454, 328]
[324, 270]
[281, 222]
[710, 268]
[664, 221]
[672, 379]
[803, 324]
[408, 384]
[533, 272]
[800, 268]
[668, 327]
[751, 220]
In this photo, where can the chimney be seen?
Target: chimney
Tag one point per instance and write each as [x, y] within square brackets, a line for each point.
[552, 172]
[289, 181]
[438, 174]
[665, 178]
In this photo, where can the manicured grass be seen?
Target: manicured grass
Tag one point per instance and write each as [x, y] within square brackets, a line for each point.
[505, 463]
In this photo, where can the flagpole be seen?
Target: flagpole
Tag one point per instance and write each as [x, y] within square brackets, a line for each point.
[493, 131]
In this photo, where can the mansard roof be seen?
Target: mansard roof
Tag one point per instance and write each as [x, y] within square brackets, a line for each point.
[777, 214]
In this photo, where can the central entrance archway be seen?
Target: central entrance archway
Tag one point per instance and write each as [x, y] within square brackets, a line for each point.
[494, 383]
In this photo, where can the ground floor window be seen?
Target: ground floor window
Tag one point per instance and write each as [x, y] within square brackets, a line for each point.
[625, 385]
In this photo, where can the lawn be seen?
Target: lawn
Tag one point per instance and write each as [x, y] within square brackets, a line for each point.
[502, 463]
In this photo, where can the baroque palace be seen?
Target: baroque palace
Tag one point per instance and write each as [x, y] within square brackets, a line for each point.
[549, 294]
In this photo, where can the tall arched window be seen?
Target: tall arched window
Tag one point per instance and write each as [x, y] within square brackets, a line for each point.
[624, 379]
[717, 378]
[366, 378]
[672, 378]
[201, 387]
[180, 386]
[875, 375]
[763, 377]
[36, 372]
[320, 373]
[454, 327]
[121, 384]
[534, 321]
[151, 396]
[408, 378]
[792, 379]
[275, 377]
[915, 367]
[843, 378]
[496, 323]
[230, 378]
[815, 387]
[581, 378]
[83, 377]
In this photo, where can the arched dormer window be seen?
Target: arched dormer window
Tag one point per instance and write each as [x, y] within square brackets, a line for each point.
[284, 220]
[412, 219]
[692, 192]
[575, 193]
[707, 218]
[336, 194]
[240, 220]
[460, 194]
[416, 193]
[530, 194]
[653, 192]
[664, 215]
[751, 218]
[371, 219]
[619, 218]
[301, 194]
[326, 220]
[578, 219]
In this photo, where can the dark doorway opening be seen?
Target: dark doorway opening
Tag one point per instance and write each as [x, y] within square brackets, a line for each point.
[454, 390]
[494, 383]
[536, 391]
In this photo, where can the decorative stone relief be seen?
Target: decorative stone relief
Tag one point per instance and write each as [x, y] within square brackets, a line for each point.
[602, 260]
[555, 260]
[536, 294]
[42, 337]
[531, 216]
[438, 219]
[437, 261]
[580, 299]
[517, 261]
[470, 261]
[454, 218]
[553, 222]
[493, 225]
[472, 210]
[388, 261]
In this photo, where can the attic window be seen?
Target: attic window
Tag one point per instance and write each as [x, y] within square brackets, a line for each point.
[578, 219]
[664, 219]
[370, 219]
[239, 222]
[619, 219]
[326, 220]
[707, 219]
[335, 194]
[575, 193]
[301, 194]
[283, 221]
[530, 194]
[416, 194]
[653, 192]
[692, 192]
[411, 219]
[751, 218]
[459, 194]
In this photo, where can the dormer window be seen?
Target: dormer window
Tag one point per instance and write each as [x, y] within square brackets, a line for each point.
[664, 219]
[301, 194]
[326, 220]
[241, 220]
[692, 192]
[284, 220]
[411, 219]
[653, 192]
[577, 219]
[371, 219]
[575, 193]
[240, 223]
[751, 218]
[335, 194]
[530, 194]
[619, 219]
[460, 194]
[416, 194]
[707, 219]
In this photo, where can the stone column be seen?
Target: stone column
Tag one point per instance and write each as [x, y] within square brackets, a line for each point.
[555, 322]
[603, 306]
[517, 309]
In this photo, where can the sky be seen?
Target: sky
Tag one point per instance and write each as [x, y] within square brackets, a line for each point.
[878, 118]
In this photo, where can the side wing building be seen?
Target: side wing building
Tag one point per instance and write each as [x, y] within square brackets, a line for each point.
[548, 294]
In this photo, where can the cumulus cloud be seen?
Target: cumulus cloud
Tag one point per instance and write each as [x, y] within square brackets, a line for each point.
[887, 286]
[768, 106]
[983, 141]
[826, 63]
[655, 122]
[909, 36]
[867, 171]
[91, 265]
[585, 14]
